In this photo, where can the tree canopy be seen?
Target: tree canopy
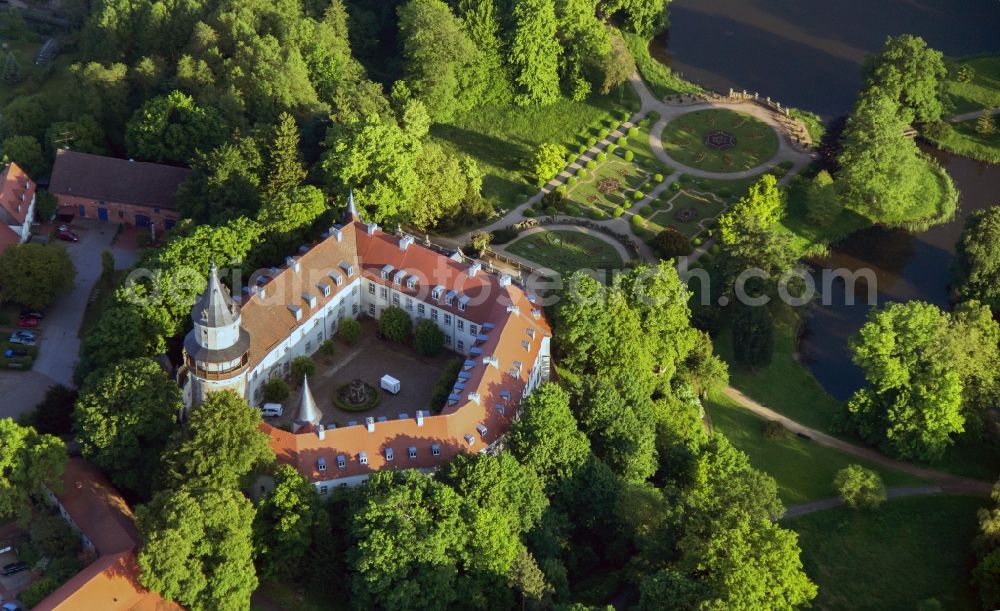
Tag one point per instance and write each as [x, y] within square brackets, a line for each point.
[35, 275]
[28, 461]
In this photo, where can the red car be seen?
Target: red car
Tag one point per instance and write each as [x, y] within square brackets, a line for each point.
[28, 322]
[68, 236]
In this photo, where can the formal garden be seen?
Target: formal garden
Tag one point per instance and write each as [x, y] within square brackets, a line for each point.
[719, 140]
[566, 251]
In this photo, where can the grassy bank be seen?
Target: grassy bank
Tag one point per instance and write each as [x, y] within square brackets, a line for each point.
[660, 79]
[963, 139]
[803, 469]
[908, 551]
[503, 140]
[983, 91]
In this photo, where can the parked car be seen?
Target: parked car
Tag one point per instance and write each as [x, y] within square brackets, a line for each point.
[30, 323]
[68, 236]
[23, 334]
[14, 567]
[11, 353]
[29, 313]
[23, 341]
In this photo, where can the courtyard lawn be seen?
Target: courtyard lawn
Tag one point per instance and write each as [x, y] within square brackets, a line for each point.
[804, 470]
[503, 140]
[907, 551]
[718, 140]
[567, 251]
[983, 91]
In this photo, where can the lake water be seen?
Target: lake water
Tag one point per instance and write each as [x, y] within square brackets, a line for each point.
[808, 54]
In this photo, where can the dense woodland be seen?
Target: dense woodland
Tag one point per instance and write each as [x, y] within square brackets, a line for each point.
[610, 487]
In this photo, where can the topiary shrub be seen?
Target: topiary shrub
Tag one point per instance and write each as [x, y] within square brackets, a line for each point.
[626, 115]
[561, 190]
[582, 149]
[395, 324]
[675, 186]
[629, 155]
[637, 220]
[696, 241]
[504, 235]
[596, 215]
[617, 212]
[612, 147]
[591, 164]
[601, 156]
[637, 195]
[342, 395]
[428, 338]
[553, 199]
[530, 212]
[276, 390]
[623, 141]
[551, 211]
[633, 131]
[658, 177]
[571, 181]
[349, 331]
[327, 350]
[591, 142]
[670, 243]
[581, 173]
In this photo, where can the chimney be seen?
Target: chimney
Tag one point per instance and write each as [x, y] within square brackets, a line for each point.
[337, 233]
[505, 280]
[292, 263]
[370, 424]
[475, 268]
[405, 241]
[321, 432]
[474, 396]
[420, 417]
[372, 228]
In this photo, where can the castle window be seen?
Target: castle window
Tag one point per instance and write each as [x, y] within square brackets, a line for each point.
[395, 299]
[473, 329]
[420, 309]
[461, 324]
[435, 449]
[447, 319]
[409, 303]
[460, 345]
[383, 292]
[434, 314]
[371, 288]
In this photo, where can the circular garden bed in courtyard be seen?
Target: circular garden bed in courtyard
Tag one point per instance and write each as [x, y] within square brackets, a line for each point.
[356, 396]
[719, 140]
[567, 251]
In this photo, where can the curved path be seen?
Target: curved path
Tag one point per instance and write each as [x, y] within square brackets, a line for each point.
[824, 504]
[947, 482]
[965, 116]
[618, 246]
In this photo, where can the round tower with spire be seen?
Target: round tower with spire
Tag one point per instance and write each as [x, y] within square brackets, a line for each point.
[217, 350]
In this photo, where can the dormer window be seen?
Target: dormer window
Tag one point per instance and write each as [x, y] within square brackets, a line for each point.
[389, 454]
[398, 277]
[341, 461]
[530, 332]
[347, 267]
[413, 452]
[435, 449]
[321, 464]
[324, 289]
[362, 458]
[526, 344]
[411, 282]
[449, 299]
[464, 301]
[436, 292]
[386, 270]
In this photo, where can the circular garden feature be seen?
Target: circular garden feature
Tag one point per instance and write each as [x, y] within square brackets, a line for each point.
[567, 251]
[356, 396]
[719, 140]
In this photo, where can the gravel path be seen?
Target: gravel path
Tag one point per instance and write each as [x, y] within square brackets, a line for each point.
[965, 116]
[824, 504]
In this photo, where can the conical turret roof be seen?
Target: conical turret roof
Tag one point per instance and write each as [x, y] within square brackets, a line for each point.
[216, 307]
[352, 208]
[307, 412]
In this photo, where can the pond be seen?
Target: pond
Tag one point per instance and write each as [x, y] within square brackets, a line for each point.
[808, 53]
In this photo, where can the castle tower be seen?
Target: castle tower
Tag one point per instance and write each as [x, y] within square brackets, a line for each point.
[217, 350]
[307, 414]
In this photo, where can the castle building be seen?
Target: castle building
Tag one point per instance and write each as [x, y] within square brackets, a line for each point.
[358, 270]
[17, 205]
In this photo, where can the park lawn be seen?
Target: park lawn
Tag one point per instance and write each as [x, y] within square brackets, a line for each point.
[803, 469]
[503, 140]
[684, 140]
[963, 139]
[661, 80]
[567, 251]
[785, 385]
[907, 551]
[984, 89]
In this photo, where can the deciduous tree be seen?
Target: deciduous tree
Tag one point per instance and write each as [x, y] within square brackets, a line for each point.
[860, 488]
[545, 436]
[28, 461]
[534, 52]
[395, 324]
[549, 160]
[35, 275]
[283, 527]
[978, 263]
[909, 70]
[428, 338]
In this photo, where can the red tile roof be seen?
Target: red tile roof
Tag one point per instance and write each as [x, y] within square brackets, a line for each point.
[111, 582]
[507, 308]
[16, 191]
[116, 180]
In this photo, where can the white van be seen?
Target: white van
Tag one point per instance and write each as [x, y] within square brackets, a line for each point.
[390, 384]
[270, 410]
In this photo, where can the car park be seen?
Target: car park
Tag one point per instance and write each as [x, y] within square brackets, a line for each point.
[14, 567]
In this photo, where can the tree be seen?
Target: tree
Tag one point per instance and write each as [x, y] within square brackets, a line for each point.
[395, 324]
[978, 261]
[437, 53]
[442, 189]
[753, 336]
[882, 175]
[985, 125]
[750, 233]
[911, 72]
[534, 52]
[226, 182]
[973, 348]
[283, 527]
[276, 390]
[219, 445]
[549, 160]
[859, 488]
[173, 128]
[11, 70]
[302, 366]
[378, 160]
[197, 547]
[671, 243]
[28, 462]
[35, 275]
[529, 580]
[488, 73]
[51, 536]
[292, 210]
[618, 65]
[349, 331]
[54, 414]
[913, 403]
[285, 170]
[545, 437]
[986, 575]
[83, 134]
[123, 418]
[26, 152]
[822, 201]
[407, 537]
[621, 432]
[45, 206]
[428, 338]
[586, 45]
[644, 17]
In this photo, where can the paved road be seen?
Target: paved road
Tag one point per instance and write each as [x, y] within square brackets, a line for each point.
[947, 482]
[59, 345]
[824, 504]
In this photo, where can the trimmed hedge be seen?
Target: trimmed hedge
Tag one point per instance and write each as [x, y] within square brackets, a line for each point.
[372, 401]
